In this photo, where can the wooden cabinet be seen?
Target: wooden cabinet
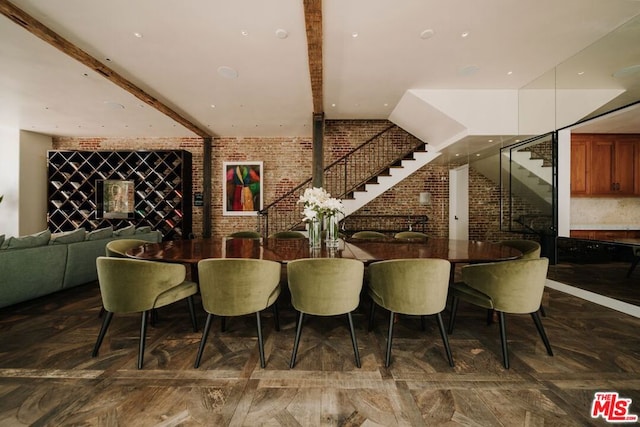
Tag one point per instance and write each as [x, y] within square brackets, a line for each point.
[605, 235]
[605, 165]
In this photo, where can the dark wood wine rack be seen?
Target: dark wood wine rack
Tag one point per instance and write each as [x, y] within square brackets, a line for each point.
[162, 181]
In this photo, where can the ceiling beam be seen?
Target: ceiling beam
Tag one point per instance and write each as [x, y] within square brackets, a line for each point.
[39, 30]
[313, 21]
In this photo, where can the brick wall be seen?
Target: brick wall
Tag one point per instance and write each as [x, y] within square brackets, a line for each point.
[287, 162]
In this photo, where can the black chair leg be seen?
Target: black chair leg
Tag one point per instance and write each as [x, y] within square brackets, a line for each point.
[445, 340]
[192, 313]
[541, 309]
[353, 340]
[297, 340]
[276, 316]
[203, 340]
[143, 336]
[454, 309]
[372, 312]
[260, 342]
[103, 330]
[503, 339]
[387, 360]
[543, 335]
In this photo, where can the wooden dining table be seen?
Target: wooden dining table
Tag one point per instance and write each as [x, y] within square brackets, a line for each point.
[284, 250]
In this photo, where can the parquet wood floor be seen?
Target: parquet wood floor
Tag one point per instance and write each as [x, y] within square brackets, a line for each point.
[48, 378]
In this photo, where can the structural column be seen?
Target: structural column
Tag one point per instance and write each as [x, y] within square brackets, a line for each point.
[318, 150]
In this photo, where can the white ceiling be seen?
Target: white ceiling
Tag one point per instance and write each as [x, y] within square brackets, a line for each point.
[509, 45]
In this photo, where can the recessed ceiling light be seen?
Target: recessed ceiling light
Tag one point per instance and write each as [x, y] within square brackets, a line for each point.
[138, 35]
[457, 154]
[213, 105]
[282, 34]
[227, 72]
[244, 33]
[465, 34]
[491, 140]
[580, 73]
[509, 73]
[386, 104]
[478, 155]
[427, 34]
[333, 105]
[468, 70]
[354, 34]
[114, 105]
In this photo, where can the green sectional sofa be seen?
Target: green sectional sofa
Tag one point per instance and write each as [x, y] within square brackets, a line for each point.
[43, 263]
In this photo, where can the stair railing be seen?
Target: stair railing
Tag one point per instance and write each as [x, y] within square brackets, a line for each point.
[342, 177]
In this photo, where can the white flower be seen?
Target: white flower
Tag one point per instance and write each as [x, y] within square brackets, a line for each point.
[318, 202]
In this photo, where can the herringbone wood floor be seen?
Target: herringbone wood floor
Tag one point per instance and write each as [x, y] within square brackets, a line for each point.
[47, 375]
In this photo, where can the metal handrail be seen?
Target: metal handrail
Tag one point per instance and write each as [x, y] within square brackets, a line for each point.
[342, 177]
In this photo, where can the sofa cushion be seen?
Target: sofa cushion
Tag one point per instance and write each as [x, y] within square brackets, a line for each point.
[125, 231]
[101, 233]
[31, 241]
[68, 237]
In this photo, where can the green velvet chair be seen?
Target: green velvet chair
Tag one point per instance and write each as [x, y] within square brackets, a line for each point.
[411, 236]
[236, 287]
[247, 234]
[291, 234]
[118, 248]
[369, 235]
[325, 287]
[416, 287]
[132, 286]
[513, 287]
[529, 248]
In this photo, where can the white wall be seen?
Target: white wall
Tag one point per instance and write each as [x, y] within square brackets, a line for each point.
[23, 182]
[9, 180]
[33, 182]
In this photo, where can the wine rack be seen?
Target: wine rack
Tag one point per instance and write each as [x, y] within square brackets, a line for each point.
[162, 182]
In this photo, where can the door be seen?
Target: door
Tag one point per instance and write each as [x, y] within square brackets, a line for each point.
[459, 203]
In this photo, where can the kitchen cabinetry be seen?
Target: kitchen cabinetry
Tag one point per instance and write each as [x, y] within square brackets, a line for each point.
[605, 235]
[605, 165]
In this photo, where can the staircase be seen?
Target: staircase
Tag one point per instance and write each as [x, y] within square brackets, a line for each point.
[357, 178]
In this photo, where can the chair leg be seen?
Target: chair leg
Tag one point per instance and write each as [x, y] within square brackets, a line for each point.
[260, 342]
[372, 312]
[353, 340]
[192, 313]
[102, 311]
[297, 340]
[143, 336]
[543, 335]
[503, 339]
[276, 316]
[445, 340]
[454, 309]
[541, 309]
[103, 330]
[387, 360]
[203, 340]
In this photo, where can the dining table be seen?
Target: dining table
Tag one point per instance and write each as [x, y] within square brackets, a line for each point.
[283, 250]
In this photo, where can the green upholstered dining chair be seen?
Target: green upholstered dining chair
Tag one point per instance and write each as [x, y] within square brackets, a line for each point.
[118, 248]
[246, 234]
[132, 286]
[415, 287]
[513, 287]
[325, 287]
[236, 287]
[529, 248]
[290, 234]
[369, 235]
[411, 236]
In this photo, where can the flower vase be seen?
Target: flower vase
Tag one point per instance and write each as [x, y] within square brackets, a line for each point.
[332, 231]
[315, 234]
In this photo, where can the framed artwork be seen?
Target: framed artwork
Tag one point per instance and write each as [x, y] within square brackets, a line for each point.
[115, 199]
[242, 188]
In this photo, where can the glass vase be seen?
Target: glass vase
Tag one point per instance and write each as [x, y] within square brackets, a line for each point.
[315, 233]
[332, 230]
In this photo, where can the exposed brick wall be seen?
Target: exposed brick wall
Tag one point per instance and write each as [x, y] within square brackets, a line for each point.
[287, 162]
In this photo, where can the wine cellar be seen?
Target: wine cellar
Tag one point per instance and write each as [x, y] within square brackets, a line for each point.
[161, 190]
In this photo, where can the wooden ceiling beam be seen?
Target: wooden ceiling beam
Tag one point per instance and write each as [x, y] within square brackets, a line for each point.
[313, 22]
[39, 30]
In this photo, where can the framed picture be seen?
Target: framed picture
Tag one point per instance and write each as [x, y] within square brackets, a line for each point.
[242, 188]
[115, 199]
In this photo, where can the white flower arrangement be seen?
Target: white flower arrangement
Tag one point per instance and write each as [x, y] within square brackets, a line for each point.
[318, 203]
